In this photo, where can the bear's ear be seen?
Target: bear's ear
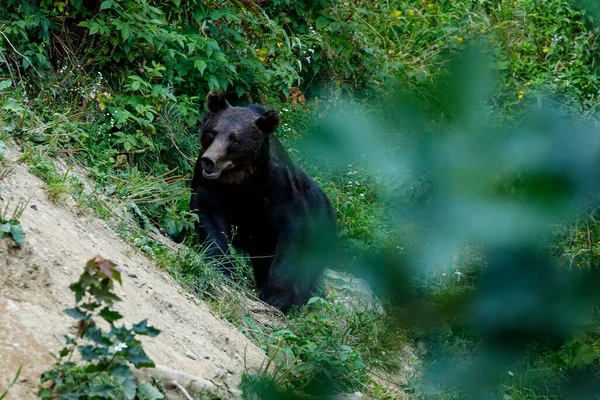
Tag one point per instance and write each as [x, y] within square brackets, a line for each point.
[215, 101]
[268, 122]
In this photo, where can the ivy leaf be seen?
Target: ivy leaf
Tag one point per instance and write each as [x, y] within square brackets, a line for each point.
[138, 357]
[148, 392]
[108, 268]
[110, 316]
[142, 328]
[76, 313]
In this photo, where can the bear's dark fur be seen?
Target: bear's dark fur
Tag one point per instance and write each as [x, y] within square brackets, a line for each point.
[246, 184]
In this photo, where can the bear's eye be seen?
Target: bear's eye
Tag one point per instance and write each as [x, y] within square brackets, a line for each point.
[234, 141]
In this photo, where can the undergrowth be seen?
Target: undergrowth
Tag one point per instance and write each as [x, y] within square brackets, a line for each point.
[116, 88]
[102, 368]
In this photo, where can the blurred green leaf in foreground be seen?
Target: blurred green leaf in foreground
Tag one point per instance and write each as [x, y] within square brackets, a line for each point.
[492, 184]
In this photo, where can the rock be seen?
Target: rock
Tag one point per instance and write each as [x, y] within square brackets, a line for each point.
[169, 376]
[189, 354]
[10, 306]
[361, 296]
[349, 396]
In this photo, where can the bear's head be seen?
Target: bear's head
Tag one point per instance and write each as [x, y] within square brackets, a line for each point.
[232, 138]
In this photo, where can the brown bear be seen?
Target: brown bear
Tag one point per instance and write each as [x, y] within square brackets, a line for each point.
[244, 179]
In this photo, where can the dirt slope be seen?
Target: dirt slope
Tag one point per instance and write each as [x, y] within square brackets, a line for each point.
[34, 290]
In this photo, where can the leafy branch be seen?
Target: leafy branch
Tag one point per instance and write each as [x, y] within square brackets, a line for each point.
[106, 354]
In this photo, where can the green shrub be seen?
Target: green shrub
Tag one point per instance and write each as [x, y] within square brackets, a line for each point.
[105, 353]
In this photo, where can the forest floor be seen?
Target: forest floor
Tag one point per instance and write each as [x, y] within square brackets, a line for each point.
[34, 280]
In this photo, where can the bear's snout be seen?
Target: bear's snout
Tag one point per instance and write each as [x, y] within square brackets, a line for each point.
[207, 163]
[214, 160]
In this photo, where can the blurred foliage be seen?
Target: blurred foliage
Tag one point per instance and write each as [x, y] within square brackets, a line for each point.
[499, 188]
[467, 198]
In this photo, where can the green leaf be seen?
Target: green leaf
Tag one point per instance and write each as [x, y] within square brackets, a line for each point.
[313, 300]
[102, 391]
[322, 22]
[106, 4]
[110, 316]
[78, 289]
[127, 146]
[16, 231]
[335, 26]
[584, 355]
[200, 65]
[170, 227]
[148, 392]
[240, 90]
[138, 357]
[214, 81]
[125, 377]
[142, 328]
[38, 137]
[76, 313]
[220, 57]
[125, 33]
[216, 14]
[5, 84]
[6, 228]
[11, 104]
[2, 145]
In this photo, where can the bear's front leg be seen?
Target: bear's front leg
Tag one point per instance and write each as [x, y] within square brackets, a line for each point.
[280, 298]
[213, 230]
[279, 289]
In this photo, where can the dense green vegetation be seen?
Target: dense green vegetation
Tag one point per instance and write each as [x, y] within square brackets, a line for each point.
[118, 86]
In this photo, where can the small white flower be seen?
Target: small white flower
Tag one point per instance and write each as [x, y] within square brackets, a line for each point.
[120, 347]
[511, 373]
